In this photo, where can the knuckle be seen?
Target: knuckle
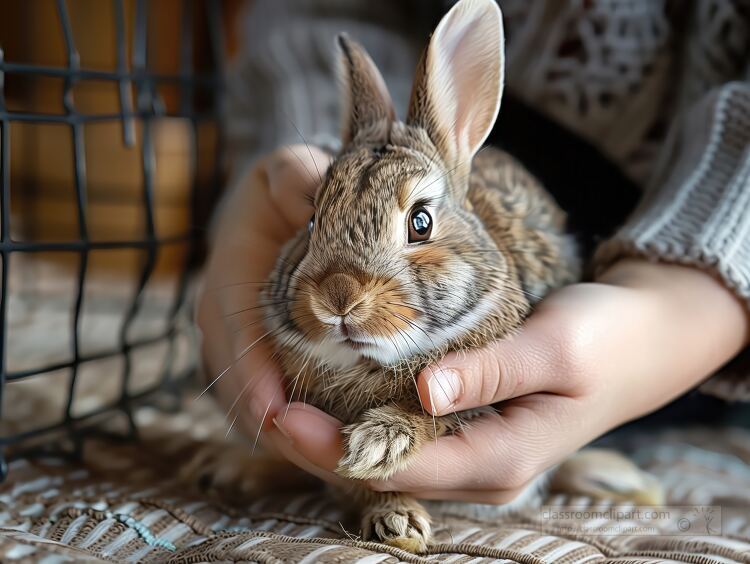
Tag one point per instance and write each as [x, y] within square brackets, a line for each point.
[279, 166]
[503, 374]
[572, 344]
[516, 468]
[491, 378]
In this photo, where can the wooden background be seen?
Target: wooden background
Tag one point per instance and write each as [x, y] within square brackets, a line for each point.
[43, 199]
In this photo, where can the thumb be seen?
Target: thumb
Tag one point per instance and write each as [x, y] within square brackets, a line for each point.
[531, 361]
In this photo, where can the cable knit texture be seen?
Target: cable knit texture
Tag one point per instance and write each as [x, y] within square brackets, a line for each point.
[662, 87]
[699, 214]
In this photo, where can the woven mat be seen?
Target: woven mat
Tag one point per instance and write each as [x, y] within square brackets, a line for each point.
[125, 502]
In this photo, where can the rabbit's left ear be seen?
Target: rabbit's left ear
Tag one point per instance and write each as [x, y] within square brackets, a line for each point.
[459, 83]
[367, 112]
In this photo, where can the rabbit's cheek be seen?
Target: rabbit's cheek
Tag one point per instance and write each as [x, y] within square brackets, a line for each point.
[432, 258]
[306, 317]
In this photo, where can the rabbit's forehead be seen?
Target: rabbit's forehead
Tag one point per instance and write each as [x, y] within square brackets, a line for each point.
[366, 198]
[377, 184]
[429, 186]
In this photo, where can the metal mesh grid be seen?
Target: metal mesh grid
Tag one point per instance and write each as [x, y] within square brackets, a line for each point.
[139, 105]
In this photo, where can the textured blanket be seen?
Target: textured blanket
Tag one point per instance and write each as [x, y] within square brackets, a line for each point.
[127, 502]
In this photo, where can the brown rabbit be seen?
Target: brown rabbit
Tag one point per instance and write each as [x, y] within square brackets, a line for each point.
[420, 244]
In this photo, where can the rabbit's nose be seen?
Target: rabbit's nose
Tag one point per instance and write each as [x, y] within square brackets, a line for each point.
[342, 292]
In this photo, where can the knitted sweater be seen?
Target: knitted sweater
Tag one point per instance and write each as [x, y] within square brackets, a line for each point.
[661, 87]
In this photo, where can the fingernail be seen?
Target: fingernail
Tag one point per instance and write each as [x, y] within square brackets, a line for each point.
[445, 388]
[282, 430]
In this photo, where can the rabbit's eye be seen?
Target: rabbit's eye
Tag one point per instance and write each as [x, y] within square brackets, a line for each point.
[420, 225]
[311, 224]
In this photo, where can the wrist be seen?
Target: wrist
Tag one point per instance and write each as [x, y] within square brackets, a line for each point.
[689, 298]
[641, 273]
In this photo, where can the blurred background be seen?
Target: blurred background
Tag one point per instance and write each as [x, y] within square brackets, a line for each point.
[111, 163]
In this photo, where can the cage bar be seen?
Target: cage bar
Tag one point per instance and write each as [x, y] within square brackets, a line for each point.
[126, 75]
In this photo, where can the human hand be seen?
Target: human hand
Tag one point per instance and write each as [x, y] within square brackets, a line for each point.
[591, 357]
[262, 213]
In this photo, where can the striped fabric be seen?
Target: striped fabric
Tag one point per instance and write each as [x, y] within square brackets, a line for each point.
[124, 503]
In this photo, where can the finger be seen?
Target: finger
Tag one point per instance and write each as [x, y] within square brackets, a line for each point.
[262, 389]
[295, 172]
[282, 443]
[531, 361]
[315, 434]
[249, 211]
[311, 439]
[506, 451]
[237, 353]
[239, 381]
[250, 390]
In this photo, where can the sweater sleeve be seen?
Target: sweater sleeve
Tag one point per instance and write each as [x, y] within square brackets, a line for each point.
[696, 210]
[282, 86]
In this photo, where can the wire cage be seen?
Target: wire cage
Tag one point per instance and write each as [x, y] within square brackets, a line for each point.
[94, 125]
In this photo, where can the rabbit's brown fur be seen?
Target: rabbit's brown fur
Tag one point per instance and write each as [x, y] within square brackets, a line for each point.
[385, 424]
[520, 218]
[494, 223]
[358, 308]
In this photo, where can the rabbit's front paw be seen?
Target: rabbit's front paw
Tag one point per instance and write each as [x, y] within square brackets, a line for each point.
[376, 448]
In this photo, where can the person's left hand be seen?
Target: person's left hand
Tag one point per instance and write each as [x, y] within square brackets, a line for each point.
[591, 357]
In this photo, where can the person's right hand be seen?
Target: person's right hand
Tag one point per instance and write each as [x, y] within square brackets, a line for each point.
[263, 212]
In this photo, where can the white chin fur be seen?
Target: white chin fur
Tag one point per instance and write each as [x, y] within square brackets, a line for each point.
[341, 356]
[336, 355]
[421, 340]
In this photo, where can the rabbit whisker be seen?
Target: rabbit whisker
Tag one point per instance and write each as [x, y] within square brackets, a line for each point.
[294, 125]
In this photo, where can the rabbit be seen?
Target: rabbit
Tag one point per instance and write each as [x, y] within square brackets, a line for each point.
[421, 243]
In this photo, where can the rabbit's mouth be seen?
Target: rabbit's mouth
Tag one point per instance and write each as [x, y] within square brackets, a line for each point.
[357, 345]
[349, 336]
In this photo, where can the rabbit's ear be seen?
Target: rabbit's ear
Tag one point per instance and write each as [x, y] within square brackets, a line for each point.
[459, 83]
[368, 112]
